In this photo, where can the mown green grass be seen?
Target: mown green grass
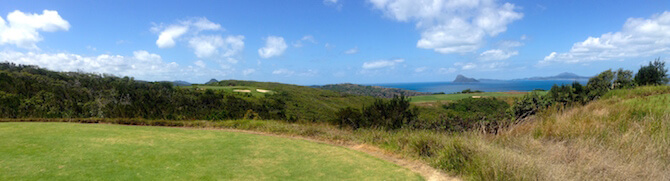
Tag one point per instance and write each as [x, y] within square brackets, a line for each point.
[453, 97]
[231, 89]
[66, 151]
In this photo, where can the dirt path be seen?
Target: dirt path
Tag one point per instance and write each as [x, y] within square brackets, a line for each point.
[427, 172]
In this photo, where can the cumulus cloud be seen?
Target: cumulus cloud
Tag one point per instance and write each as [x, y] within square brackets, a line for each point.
[274, 46]
[141, 65]
[167, 35]
[639, 37]
[452, 26]
[497, 54]
[381, 63]
[23, 29]
[351, 51]
[209, 46]
[205, 46]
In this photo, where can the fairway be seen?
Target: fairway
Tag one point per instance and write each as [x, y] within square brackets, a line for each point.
[453, 97]
[65, 151]
[252, 90]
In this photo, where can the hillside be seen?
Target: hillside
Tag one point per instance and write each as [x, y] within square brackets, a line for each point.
[30, 91]
[374, 91]
[306, 103]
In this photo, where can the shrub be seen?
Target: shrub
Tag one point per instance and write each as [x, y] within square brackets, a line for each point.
[653, 74]
[624, 79]
[388, 114]
[600, 84]
[529, 105]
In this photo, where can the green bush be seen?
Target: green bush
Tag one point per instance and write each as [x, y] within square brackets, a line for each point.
[653, 74]
[530, 104]
[387, 114]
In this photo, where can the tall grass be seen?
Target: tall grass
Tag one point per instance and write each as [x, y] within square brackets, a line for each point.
[623, 136]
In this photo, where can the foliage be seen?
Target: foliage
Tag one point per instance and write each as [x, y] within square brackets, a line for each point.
[387, 114]
[624, 79]
[467, 91]
[600, 84]
[374, 91]
[530, 104]
[653, 74]
[477, 113]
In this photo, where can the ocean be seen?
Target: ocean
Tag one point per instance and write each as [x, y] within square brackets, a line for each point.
[486, 86]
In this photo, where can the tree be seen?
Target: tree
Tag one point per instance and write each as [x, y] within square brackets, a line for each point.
[653, 74]
[624, 79]
[600, 84]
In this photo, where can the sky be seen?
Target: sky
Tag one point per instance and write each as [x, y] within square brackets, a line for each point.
[315, 42]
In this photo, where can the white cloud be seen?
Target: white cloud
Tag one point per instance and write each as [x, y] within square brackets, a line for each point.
[208, 46]
[452, 26]
[381, 63]
[200, 64]
[22, 29]
[466, 66]
[248, 72]
[274, 46]
[420, 69]
[306, 38]
[285, 72]
[639, 37]
[167, 35]
[351, 51]
[142, 65]
[497, 54]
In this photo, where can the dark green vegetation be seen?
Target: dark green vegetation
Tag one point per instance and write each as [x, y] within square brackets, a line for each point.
[29, 91]
[374, 91]
[454, 97]
[597, 86]
[610, 129]
[653, 74]
[113, 152]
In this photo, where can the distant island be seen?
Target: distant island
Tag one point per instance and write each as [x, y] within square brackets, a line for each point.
[463, 79]
[561, 76]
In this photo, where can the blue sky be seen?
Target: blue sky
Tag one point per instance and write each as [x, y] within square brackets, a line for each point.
[334, 41]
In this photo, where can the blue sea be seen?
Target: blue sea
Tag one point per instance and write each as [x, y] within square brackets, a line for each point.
[486, 86]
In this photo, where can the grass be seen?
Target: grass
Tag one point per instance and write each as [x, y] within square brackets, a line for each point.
[253, 90]
[62, 151]
[453, 97]
[623, 136]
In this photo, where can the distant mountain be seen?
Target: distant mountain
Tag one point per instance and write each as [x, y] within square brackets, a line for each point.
[462, 79]
[211, 81]
[374, 91]
[180, 83]
[561, 76]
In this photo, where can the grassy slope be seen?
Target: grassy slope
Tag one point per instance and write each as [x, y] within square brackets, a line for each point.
[623, 136]
[313, 104]
[453, 97]
[230, 89]
[60, 151]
